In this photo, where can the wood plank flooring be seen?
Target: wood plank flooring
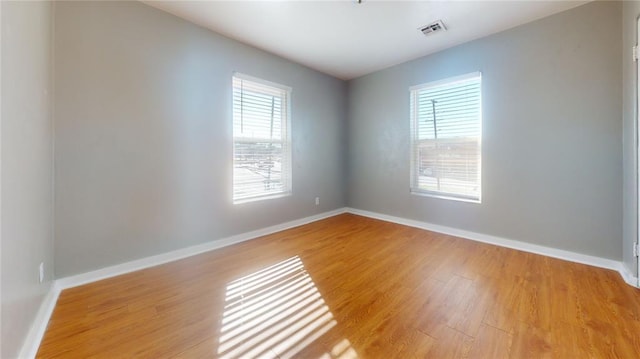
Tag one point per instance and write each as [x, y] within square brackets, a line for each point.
[352, 287]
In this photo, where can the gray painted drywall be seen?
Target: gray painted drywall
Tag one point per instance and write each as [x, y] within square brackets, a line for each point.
[630, 12]
[26, 167]
[143, 135]
[552, 134]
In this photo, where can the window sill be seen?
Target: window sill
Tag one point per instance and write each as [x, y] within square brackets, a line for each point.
[261, 198]
[445, 196]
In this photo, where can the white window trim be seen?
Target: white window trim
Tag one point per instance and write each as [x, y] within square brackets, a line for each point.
[242, 76]
[448, 80]
[289, 184]
[436, 194]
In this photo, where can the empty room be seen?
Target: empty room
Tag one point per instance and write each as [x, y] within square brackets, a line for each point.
[319, 179]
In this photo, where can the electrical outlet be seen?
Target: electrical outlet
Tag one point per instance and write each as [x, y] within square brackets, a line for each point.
[41, 270]
[317, 201]
[636, 251]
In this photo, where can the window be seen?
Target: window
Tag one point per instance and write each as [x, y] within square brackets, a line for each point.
[446, 127]
[261, 139]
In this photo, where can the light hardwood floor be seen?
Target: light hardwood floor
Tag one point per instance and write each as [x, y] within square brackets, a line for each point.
[352, 287]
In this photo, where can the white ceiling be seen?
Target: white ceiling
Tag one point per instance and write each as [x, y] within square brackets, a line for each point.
[346, 39]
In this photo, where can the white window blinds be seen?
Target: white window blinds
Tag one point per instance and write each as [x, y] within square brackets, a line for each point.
[446, 127]
[261, 139]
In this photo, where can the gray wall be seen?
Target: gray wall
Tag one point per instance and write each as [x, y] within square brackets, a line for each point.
[552, 134]
[143, 135]
[26, 167]
[630, 11]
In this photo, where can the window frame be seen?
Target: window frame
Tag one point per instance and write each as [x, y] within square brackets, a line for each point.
[286, 142]
[414, 154]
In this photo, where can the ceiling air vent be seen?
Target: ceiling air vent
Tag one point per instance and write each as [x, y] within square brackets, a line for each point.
[433, 27]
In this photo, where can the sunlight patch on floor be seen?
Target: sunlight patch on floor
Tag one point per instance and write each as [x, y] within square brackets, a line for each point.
[277, 311]
[342, 350]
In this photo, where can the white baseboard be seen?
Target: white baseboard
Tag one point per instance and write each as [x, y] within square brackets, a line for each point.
[628, 276]
[34, 337]
[39, 326]
[509, 243]
[118, 269]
